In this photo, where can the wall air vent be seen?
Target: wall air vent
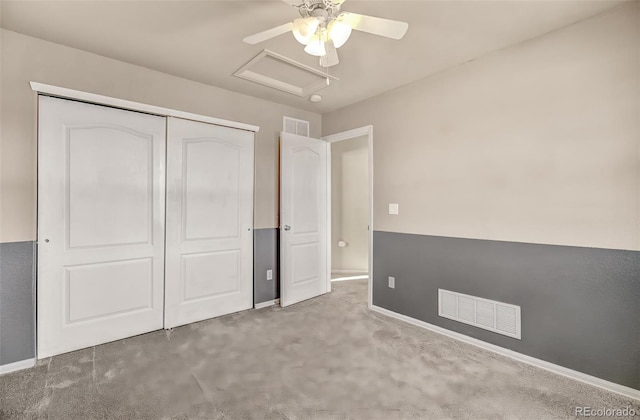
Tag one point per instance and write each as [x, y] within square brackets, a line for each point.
[282, 73]
[501, 318]
[295, 126]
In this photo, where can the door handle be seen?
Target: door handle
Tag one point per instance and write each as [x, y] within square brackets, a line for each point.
[287, 227]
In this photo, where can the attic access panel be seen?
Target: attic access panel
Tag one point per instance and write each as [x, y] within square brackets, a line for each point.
[279, 72]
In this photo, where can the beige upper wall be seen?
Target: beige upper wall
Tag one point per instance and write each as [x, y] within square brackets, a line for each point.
[25, 59]
[537, 143]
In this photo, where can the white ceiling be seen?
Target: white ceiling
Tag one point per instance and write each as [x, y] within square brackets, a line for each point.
[202, 40]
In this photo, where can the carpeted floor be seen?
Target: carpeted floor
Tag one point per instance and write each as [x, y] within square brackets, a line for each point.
[326, 358]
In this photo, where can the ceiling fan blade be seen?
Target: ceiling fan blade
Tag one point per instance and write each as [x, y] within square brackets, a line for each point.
[331, 57]
[375, 25]
[268, 34]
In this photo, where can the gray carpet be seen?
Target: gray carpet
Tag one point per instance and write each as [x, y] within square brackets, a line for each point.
[326, 358]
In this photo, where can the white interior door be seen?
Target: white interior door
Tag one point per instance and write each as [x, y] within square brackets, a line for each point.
[209, 248]
[100, 224]
[303, 218]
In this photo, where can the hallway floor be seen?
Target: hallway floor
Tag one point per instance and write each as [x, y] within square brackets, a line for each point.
[326, 358]
[350, 276]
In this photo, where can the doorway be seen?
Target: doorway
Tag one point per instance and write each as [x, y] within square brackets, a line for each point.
[351, 205]
[306, 213]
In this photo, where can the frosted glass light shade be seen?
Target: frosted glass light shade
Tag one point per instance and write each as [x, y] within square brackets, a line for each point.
[339, 33]
[316, 46]
[303, 29]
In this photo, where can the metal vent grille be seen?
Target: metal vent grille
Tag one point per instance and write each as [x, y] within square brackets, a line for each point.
[501, 318]
[295, 126]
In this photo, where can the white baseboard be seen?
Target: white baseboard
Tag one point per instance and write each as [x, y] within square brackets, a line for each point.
[349, 271]
[351, 278]
[569, 373]
[12, 367]
[266, 304]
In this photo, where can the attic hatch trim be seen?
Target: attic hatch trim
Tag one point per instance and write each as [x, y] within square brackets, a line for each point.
[246, 73]
[94, 98]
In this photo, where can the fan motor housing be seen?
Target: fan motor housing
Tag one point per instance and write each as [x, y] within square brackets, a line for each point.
[323, 10]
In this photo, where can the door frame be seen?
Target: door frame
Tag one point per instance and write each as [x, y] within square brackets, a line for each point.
[367, 130]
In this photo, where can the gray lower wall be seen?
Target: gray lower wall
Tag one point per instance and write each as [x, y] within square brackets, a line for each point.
[580, 306]
[265, 257]
[17, 291]
[17, 299]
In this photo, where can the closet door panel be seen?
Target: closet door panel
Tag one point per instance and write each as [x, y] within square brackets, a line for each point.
[100, 224]
[209, 254]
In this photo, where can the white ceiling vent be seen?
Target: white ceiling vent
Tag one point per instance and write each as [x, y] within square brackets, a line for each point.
[295, 126]
[282, 73]
[501, 318]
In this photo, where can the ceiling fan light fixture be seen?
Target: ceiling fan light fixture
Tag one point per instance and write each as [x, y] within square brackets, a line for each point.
[303, 29]
[316, 46]
[339, 32]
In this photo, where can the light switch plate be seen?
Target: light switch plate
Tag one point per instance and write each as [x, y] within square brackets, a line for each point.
[392, 282]
[269, 274]
[393, 208]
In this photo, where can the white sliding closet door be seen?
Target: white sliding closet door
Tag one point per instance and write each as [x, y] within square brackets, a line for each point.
[100, 224]
[209, 246]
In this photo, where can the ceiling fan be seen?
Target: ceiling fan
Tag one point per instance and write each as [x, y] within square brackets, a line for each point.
[323, 28]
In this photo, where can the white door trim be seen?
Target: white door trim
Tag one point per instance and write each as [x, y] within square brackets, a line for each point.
[346, 135]
[135, 106]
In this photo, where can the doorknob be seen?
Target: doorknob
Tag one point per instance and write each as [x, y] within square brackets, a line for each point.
[287, 227]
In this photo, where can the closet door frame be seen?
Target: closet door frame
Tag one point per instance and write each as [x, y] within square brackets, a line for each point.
[42, 89]
[78, 95]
